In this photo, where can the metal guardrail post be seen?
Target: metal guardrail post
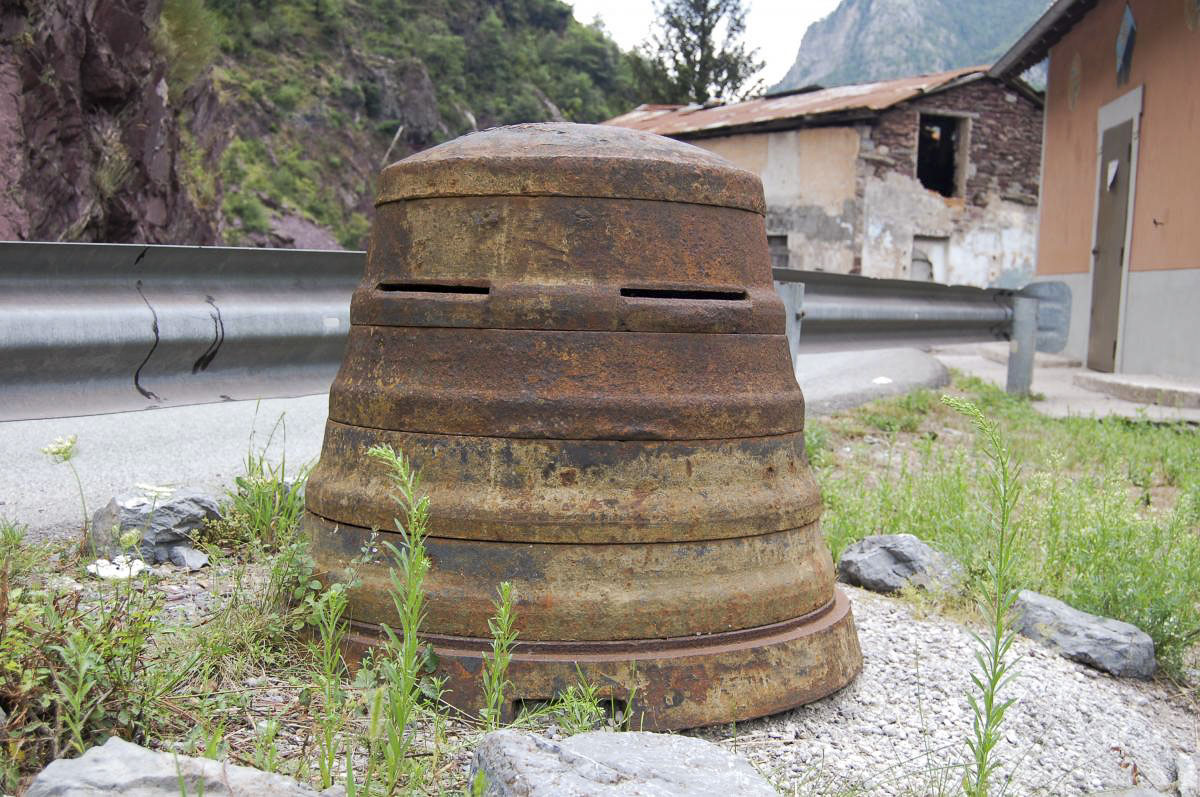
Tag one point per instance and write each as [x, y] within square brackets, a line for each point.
[832, 312]
[792, 294]
[1023, 345]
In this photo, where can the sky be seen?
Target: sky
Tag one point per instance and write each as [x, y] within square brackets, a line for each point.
[775, 27]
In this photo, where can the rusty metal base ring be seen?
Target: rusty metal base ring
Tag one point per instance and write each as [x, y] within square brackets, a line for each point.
[675, 683]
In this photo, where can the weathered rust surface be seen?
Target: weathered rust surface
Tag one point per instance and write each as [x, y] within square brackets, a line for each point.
[567, 385]
[571, 161]
[570, 592]
[555, 263]
[667, 684]
[573, 334]
[575, 491]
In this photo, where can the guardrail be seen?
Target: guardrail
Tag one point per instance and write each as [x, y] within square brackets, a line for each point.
[830, 312]
[93, 328]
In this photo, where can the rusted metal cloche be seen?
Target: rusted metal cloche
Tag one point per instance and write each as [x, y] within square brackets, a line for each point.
[573, 333]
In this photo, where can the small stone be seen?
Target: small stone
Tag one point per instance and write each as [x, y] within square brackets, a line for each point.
[603, 763]
[1110, 645]
[187, 557]
[120, 768]
[890, 562]
[162, 525]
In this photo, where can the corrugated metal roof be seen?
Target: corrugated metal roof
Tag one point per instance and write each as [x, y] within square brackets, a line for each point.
[670, 120]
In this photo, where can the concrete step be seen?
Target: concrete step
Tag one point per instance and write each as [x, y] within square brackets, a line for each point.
[1143, 388]
[998, 353]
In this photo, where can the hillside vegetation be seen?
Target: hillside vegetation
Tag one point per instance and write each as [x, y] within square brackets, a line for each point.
[264, 122]
[328, 91]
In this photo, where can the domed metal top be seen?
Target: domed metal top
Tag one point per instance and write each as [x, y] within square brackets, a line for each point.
[572, 160]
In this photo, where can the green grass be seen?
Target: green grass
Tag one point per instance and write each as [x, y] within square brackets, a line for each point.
[1109, 519]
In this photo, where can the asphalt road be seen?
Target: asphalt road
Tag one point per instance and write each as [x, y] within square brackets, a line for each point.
[203, 446]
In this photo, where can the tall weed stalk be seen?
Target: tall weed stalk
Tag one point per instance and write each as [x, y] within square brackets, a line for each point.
[495, 668]
[63, 450]
[994, 647]
[401, 661]
[332, 667]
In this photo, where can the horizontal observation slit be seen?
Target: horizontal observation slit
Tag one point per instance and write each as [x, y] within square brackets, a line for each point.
[686, 294]
[433, 287]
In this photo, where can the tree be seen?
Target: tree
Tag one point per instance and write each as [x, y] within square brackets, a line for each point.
[682, 61]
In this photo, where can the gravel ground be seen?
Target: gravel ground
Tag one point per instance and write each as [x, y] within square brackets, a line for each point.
[900, 727]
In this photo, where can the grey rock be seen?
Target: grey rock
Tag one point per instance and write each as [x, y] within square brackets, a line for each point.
[1186, 779]
[119, 767]
[889, 562]
[404, 93]
[1106, 644]
[165, 524]
[601, 763]
[291, 486]
[189, 557]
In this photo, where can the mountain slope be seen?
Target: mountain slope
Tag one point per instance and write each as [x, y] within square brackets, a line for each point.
[867, 40]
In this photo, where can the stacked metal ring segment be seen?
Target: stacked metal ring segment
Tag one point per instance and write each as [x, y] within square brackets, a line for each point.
[572, 332]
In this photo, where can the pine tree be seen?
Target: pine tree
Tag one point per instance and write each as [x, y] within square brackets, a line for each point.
[695, 54]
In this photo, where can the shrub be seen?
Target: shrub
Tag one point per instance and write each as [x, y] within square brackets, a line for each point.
[188, 36]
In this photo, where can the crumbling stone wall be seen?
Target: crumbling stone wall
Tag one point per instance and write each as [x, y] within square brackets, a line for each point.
[1005, 138]
[985, 237]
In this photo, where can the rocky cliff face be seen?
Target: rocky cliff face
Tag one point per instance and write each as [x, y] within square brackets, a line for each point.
[867, 40]
[88, 140]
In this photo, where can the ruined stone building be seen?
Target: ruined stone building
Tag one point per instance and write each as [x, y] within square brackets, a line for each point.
[933, 177]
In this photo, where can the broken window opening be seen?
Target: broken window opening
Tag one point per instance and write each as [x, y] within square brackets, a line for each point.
[940, 163]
